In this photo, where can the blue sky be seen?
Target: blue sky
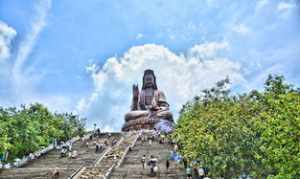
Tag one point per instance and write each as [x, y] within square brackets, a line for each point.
[83, 56]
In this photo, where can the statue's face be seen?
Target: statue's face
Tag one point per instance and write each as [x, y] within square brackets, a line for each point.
[149, 81]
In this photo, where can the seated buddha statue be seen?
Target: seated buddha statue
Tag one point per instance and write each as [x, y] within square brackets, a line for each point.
[149, 106]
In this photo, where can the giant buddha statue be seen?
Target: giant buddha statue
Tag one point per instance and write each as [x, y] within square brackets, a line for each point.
[149, 106]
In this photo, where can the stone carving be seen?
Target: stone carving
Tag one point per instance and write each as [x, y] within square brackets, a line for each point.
[149, 106]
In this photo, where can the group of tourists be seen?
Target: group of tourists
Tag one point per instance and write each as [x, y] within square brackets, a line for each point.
[191, 169]
[66, 150]
[155, 136]
[152, 162]
[95, 141]
[196, 173]
[66, 147]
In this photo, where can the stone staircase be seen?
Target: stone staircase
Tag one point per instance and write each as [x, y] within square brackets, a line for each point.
[131, 168]
[111, 159]
[123, 160]
[43, 167]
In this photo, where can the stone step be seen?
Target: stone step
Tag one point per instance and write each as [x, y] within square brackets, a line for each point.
[145, 171]
[36, 173]
[147, 176]
[131, 167]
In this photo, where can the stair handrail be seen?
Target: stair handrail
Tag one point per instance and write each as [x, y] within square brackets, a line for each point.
[116, 165]
[77, 173]
[127, 150]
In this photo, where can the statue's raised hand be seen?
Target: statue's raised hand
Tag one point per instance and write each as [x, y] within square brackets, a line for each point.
[135, 92]
[135, 97]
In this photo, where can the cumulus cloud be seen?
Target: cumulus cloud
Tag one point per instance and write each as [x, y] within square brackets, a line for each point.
[180, 76]
[7, 34]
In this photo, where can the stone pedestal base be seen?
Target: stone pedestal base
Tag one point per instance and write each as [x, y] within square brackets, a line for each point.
[137, 120]
[138, 124]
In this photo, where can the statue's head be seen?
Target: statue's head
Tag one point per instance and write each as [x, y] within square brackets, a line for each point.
[149, 79]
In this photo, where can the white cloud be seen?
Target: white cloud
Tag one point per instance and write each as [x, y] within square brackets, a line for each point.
[23, 83]
[139, 36]
[181, 77]
[208, 50]
[7, 34]
[24, 78]
[285, 6]
[261, 4]
[92, 68]
[241, 29]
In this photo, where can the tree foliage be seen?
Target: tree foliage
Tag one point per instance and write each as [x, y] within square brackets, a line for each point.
[28, 129]
[256, 134]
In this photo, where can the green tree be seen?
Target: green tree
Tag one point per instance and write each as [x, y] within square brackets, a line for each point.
[256, 133]
[28, 129]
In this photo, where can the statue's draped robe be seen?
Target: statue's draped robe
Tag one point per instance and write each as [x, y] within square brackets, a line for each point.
[141, 117]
